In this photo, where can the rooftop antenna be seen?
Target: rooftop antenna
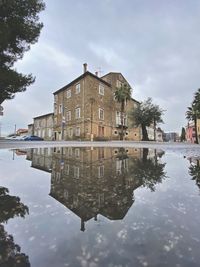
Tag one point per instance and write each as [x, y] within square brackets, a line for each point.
[100, 71]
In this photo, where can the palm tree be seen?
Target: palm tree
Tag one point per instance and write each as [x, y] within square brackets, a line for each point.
[122, 95]
[193, 112]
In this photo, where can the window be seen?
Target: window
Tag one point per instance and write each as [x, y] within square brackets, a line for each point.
[69, 93]
[68, 116]
[77, 113]
[70, 132]
[101, 131]
[101, 114]
[101, 171]
[70, 151]
[55, 108]
[118, 119]
[76, 172]
[78, 88]
[101, 153]
[101, 89]
[60, 108]
[77, 152]
[119, 84]
[78, 131]
[66, 170]
[116, 132]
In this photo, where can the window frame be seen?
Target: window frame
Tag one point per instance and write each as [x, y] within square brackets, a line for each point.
[68, 115]
[78, 88]
[69, 93]
[101, 110]
[101, 89]
[60, 109]
[79, 113]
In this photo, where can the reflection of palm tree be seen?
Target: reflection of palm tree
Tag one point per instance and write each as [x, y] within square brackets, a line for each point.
[10, 255]
[148, 171]
[194, 171]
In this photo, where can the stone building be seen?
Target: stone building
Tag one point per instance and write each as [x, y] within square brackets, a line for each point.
[30, 129]
[43, 126]
[86, 109]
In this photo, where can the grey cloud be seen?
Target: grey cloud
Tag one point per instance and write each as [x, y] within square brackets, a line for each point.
[155, 44]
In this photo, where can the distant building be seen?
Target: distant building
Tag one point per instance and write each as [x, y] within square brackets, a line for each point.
[159, 134]
[190, 132]
[43, 126]
[22, 132]
[171, 137]
[30, 129]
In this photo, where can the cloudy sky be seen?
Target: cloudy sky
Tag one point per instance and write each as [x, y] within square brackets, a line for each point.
[155, 44]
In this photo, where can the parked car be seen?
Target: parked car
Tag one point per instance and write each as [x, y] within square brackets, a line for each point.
[20, 137]
[33, 138]
[11, 137]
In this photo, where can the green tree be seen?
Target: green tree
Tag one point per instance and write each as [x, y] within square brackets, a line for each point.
[183, 134]
[19, 28]
[122, 95]
[193, 112]
[145, 115]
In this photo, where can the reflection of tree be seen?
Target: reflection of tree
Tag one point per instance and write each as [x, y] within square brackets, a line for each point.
[194, 171]
[148, 171]
[10, 206]
[10, 255]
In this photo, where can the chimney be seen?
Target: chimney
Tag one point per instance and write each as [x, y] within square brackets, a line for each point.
[96, 73]
[84, 67]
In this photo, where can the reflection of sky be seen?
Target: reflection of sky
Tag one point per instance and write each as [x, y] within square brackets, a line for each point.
[160, 229]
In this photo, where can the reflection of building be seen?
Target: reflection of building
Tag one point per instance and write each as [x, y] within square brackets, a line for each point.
[86, 109]
[94, 181]
[41, 158]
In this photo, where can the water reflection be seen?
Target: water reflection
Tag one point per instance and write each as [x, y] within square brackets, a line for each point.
[93, 181]
[10, 253]
[194, 170]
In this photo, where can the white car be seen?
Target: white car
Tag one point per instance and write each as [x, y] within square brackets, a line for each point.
[20, 138]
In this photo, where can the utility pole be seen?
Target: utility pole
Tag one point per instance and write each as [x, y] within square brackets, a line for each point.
[15, 129]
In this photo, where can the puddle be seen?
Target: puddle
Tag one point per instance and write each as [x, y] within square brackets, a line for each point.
[99, 207]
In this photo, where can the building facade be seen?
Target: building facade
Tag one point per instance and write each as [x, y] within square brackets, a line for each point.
[86, 109]
[190, 132]
[43, 126]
